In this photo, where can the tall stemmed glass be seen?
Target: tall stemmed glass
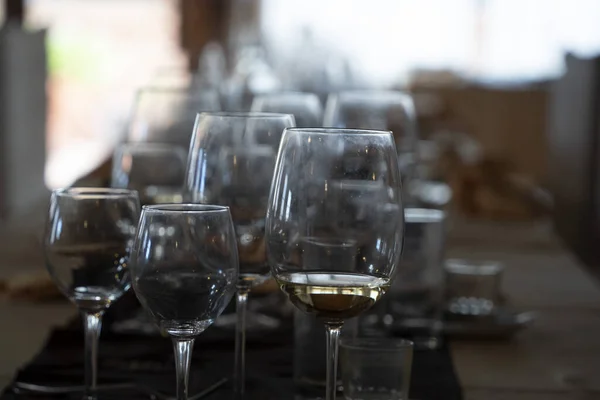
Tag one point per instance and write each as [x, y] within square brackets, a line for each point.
[87, 244]
[166, 114]
[378, 109]
[184, 267]
[231, 161]
[334, 226]
[155, 170]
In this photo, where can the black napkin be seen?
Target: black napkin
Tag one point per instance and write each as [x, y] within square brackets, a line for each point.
[148, 360]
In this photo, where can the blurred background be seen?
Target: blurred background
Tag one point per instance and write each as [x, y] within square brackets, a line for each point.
[510, 85]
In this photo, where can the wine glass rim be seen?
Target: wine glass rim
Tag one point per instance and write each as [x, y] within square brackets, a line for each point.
[171, 88]
[133, 147]
[95, 193]
[376, 344]
[291, 94]
[185, 208]
[338, 131]
[371, 94]
[244, 115]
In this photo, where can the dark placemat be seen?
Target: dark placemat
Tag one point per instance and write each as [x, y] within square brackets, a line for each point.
[149, 360]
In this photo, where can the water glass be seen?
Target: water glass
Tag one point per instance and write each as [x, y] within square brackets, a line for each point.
[415, 300]
[376, 368]
[473, 288]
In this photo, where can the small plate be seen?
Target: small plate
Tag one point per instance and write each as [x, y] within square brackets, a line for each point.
[504, 323]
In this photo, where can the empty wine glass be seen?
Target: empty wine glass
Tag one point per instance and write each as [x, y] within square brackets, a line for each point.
[332, 254]
[231, 162]
[377, 109]
[155, 170]
[184, 267]
[305, 107]
[87, 245]
[166, 114]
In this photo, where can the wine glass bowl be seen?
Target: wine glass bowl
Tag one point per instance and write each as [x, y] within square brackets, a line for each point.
[88, 237]
[155, 170]
[335, 223]
[231, 162]
[305, 107]
[165, 114]
[378, 109]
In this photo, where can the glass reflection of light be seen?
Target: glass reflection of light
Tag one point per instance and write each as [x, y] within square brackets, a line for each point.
[56, 230]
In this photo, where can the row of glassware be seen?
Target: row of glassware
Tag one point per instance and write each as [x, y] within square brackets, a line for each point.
[318, 208]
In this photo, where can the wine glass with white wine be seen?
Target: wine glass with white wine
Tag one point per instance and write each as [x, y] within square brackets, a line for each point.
[333, 253]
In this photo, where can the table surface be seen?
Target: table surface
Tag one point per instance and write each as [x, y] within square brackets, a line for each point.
[557, 357]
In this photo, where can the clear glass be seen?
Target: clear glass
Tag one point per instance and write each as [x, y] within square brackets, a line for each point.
[184, 267]
[377, 109]
[415, 301]
[334, 225]
[376, 368]
[305, 107]
[473, 287]
[166, 114]
[231, 162]
[87, 245]
[156, 171]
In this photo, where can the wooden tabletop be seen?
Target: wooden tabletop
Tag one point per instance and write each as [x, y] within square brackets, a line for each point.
[558, 357]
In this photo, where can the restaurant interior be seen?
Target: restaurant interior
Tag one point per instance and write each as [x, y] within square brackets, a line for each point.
[300, 199]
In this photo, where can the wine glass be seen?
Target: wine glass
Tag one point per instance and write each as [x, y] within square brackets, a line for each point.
[87, 244]
[231, 162]
[184, 266]
[166, 114]
[155, 170]
[334, 226]
[305, 107]
[378, 109]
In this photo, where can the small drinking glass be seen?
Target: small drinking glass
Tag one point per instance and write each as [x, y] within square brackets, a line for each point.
[166, 114]
[416, 299]
[184, 267]
[231, 163]
[155, 170]
[305, 107]
[376, 368]
[472, 287]
[87, 245]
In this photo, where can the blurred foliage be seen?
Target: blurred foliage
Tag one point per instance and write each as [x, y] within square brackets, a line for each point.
[77, 57]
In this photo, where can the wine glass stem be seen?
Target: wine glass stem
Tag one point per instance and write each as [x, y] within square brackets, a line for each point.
[183, 357]
[240, 342]
[92, 327]
[332, 331]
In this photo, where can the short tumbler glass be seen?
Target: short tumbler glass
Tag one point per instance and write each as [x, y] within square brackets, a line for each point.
[376, 368]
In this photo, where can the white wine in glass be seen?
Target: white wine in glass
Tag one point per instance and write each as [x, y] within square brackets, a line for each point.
[335, 225]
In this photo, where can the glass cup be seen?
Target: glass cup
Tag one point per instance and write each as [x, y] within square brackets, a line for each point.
[415, 301]
[376, 368]
[473, 288]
